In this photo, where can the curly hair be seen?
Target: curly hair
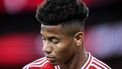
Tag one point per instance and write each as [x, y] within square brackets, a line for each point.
[54, 12]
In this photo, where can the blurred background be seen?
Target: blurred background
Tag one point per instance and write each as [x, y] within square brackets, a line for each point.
[20, 41]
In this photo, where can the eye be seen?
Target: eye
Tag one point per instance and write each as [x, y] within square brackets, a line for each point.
[55, 41]
[43, 38]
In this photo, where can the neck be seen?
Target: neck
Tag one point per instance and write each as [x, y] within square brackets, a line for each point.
[77, 60]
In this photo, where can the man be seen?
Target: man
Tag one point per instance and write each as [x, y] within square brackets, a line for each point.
[62, 30]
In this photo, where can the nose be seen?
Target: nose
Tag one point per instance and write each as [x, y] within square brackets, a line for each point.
[47, 47]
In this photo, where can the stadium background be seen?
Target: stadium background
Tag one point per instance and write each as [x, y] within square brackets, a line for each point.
[20, 41]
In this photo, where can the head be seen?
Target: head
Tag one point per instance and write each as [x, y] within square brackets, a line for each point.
[62, 28]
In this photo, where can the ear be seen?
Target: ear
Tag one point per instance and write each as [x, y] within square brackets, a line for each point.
[78, 38]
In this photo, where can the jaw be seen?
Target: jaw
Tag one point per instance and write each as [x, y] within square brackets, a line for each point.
[76, 61]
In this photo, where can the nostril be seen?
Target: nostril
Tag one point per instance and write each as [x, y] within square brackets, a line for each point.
[47, 48]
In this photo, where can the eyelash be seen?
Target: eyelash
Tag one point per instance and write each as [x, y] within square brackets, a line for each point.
[43, 38]
[52, 40]
[55, 41]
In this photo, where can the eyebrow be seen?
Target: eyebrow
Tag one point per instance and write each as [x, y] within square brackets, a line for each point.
[41, 34]
[50, 38]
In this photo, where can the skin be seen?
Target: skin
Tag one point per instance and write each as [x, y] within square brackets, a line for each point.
[59, 48]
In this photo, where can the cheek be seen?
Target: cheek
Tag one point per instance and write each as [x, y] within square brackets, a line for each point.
[64, 51]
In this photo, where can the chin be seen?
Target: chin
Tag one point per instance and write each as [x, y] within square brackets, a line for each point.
[54, 63]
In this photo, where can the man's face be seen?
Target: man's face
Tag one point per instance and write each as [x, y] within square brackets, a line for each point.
[57, 46]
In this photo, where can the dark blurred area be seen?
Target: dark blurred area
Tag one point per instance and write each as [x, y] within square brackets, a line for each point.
[20, 41]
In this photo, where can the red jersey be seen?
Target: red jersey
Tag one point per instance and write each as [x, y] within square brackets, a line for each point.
[91, 63]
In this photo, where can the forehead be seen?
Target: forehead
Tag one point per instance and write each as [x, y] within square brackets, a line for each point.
[51, 30]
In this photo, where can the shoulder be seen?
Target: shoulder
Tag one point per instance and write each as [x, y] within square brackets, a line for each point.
[37, 63]
[41, 63]
[94, 63]
[98, 64]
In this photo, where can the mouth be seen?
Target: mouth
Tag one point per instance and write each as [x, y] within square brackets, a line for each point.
[52, 60]
[49, 58]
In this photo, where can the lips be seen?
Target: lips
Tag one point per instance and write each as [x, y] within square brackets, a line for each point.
[51, 59]
[49, 56]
